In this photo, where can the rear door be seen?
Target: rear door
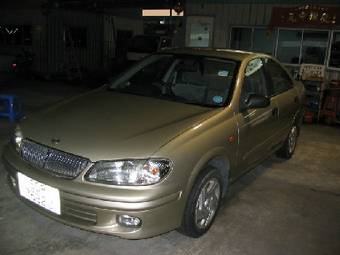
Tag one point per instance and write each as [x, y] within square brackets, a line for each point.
[282, 90]
[257, 127]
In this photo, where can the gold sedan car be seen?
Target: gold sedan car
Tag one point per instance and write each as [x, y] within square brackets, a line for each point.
[156, 149]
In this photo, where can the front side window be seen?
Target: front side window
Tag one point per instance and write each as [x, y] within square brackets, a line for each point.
[334, 58]
[279, 78]
[182, 78]
[254, 81]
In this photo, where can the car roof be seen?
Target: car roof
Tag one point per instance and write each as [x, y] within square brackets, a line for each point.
[237, 55]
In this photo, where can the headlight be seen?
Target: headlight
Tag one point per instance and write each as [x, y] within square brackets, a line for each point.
[129, 172]
[17, 138]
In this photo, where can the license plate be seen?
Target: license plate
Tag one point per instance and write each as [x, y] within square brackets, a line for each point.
[39, 193]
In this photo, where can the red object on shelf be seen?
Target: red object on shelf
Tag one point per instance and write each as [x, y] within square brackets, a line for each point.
[308, 117]
[330, 109]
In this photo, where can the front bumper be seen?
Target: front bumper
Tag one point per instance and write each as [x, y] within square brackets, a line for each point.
[95, 207]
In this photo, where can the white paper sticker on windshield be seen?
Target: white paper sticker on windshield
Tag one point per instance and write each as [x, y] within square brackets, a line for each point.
[223, 73]
[253, 66]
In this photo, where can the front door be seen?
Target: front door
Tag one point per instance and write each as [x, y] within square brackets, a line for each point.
[256, 126]
[283, 91]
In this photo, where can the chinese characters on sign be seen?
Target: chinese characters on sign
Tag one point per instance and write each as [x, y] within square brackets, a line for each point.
[305, 16]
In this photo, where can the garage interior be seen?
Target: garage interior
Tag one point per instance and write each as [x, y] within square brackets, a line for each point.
[53, 50]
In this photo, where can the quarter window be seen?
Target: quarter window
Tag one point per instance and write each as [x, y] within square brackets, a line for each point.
[280, 80]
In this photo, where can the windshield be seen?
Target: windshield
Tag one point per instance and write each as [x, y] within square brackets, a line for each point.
[190, 79]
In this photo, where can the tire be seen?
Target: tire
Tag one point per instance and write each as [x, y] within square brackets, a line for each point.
[203, 203]
[289, 145]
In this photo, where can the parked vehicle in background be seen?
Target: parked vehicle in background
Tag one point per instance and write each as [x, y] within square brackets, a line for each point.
[141, 46]
[158, 148]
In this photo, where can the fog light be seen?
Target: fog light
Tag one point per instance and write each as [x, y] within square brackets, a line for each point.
[129, 221]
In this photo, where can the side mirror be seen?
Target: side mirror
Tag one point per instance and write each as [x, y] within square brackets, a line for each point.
[257, 101]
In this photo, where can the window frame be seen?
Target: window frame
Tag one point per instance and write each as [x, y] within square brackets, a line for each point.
[329, 50]
[329, 41]
[327, 44]
[300, 47]
[252, 36]
[301, 43]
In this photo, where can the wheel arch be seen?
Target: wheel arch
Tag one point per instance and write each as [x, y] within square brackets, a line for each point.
[216, 159]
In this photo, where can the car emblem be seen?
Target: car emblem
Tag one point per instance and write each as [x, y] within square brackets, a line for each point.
[55, 141]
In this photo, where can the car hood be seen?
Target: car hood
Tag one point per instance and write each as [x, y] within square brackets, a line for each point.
[104, 125]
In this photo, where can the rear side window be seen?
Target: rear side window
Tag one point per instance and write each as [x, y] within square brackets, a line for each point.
[279, 79]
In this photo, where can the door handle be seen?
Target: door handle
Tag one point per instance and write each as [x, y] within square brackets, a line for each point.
[275, 111]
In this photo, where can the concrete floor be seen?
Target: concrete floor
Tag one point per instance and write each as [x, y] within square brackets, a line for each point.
[281, 207]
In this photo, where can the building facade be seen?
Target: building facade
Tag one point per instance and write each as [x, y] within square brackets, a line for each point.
[246, 25]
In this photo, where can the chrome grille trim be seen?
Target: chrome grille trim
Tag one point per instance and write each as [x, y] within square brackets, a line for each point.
[53, 161]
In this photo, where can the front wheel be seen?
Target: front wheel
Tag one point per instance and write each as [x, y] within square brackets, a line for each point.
[203, 204]
[288, 148]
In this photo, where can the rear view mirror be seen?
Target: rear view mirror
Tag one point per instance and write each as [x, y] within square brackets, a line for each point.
[257, 101]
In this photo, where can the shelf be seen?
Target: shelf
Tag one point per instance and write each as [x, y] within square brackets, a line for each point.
[314, 91]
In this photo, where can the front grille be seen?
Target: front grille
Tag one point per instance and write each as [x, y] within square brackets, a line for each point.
[53, 161]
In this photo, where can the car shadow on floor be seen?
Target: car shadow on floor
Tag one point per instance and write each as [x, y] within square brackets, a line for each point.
[246, 179]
